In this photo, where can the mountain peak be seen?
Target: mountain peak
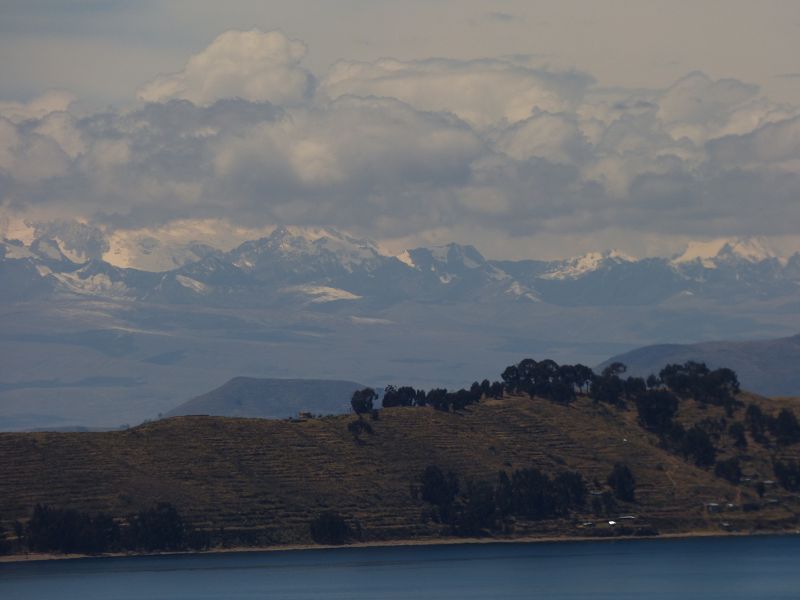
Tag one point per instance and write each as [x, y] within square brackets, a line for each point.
[709, 253]
[296, 243]
[577, 266]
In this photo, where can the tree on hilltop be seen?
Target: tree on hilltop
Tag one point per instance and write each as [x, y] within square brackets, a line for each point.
[363, 400]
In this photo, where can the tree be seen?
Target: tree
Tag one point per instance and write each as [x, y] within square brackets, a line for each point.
[329, 528]
[438, 399]
[70, 531]
[787, 430]
[159, 527]
[583, 377]
[362, 400]
[438, 488]
[623, 483]
[402, 396]
[634, 387]
[609, 387]
[614, 369]
[683, 379]
[737, 432]
[479, 511]
[510, 377]
[570, 489]
[756, 423]
[656, 409]
[358, 427]
[729, 469]
[697, 445]
[4, 545]
[788, 474]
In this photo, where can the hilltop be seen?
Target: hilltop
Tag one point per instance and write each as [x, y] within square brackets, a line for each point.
[271, 398]
[767, 367]
[262, 482]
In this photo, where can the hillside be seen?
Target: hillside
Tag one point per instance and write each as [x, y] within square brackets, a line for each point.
[767, 367]
[259, 482]
[271, 398]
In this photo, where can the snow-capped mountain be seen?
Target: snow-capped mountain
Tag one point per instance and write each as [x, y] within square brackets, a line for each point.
[456, 272]
[306, 251]
[322, 266]
[579, 266]
[724, 251]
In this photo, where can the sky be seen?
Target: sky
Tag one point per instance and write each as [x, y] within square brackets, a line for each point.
[535, 129]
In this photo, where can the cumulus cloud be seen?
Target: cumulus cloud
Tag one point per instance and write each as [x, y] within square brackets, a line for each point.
[775, 146]
[49, 102]
[554, 137]
[406, 149]
[365, 144]
[252, 65]
[481, 92]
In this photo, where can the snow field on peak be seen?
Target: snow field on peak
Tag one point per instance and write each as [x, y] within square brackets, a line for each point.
[572, 268]
[752, 250]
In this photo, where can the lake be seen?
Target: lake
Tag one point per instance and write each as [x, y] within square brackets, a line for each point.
[762, 568]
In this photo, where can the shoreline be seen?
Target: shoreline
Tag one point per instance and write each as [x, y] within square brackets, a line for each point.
[448, 541]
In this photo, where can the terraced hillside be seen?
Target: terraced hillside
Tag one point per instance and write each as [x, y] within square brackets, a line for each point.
[258, 482]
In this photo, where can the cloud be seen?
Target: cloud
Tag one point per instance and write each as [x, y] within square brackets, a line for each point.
[485, 149]
[554, 137]
[252, 65]
[773, 146]
[81, 240]
[501, 17]
[363, 143]
[49, 102]
[481, 92]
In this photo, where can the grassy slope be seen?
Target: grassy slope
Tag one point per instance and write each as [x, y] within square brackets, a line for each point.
[271, 477]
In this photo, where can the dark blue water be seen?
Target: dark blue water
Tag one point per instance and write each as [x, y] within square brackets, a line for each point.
[760, 568]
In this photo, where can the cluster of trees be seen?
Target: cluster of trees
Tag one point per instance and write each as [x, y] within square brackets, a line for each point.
[482, 506]
[688, 380]
[788, 474]
[784, 428]
[729, 469]
[562, 383]
[70, 531]
[547, 379]
[363, 401]
[695, 380]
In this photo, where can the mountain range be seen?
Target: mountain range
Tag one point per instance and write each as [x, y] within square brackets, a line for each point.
[91, 343]
[318, 266]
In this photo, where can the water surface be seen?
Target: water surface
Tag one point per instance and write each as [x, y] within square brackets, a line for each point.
[762, 568]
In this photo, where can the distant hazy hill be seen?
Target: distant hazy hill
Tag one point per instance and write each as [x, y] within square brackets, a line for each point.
[443, 315]
[769, 367]
[271, 398]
